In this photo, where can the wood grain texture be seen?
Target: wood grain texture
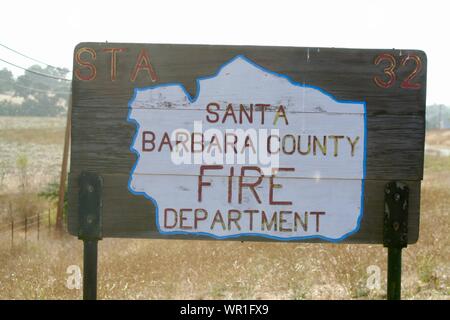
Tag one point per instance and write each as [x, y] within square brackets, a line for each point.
[394, 144]
[101, 136]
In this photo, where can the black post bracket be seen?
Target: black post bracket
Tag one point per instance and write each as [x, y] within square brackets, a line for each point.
[90, 228]
[395, 234]
[395, 230]
[90, 206]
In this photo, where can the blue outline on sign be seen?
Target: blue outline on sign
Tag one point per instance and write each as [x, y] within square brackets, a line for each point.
[192, 100]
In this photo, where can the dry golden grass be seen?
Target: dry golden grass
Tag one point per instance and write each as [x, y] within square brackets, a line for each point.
[171, 269]
[34, 135]
[36, 139]
[438, 137]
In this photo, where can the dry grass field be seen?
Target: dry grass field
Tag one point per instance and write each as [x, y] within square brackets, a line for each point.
[438, 137]
[30, 154]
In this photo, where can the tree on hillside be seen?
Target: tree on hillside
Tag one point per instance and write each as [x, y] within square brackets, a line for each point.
[29, 83]
[438, 117]
[43, 96]
[6, 80]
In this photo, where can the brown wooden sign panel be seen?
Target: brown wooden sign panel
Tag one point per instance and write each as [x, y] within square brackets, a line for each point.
[336, 125]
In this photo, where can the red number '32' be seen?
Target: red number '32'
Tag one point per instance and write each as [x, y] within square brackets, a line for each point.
[389, 71]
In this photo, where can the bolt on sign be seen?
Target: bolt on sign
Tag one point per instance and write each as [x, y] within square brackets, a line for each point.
[247, 142]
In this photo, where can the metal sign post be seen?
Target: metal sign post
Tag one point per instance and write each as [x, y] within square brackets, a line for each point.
[395, 236]
[90, 221]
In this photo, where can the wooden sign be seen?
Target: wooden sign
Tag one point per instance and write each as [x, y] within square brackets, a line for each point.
[247, 143]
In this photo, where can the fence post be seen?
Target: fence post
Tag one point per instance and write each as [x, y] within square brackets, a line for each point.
[12, 235]
[25, 230]
[90, 228]
[395, 234]
[38, 221]
[12, 224]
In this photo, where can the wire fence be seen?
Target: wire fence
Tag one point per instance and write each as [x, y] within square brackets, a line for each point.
[27, 229]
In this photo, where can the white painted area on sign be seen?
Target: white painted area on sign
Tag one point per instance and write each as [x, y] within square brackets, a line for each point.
[254, 153]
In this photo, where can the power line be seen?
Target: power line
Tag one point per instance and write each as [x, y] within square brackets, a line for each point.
[28, 57]
[35, 72]
[41, 90]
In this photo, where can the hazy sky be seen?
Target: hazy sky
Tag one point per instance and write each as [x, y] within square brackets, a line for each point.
[49, 30]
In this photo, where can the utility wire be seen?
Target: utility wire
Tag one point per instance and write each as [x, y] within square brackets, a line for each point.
[42, 90]
[28, 57]
[35, 72]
